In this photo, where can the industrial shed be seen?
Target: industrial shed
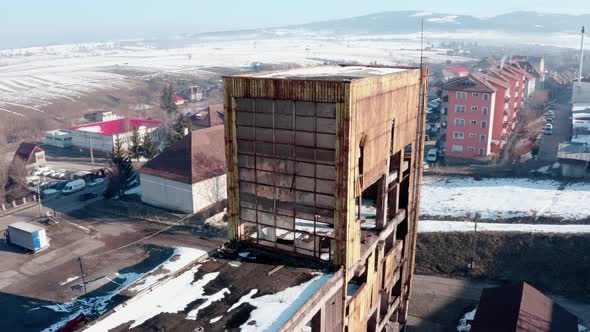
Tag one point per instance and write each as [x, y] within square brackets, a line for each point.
[189, 175]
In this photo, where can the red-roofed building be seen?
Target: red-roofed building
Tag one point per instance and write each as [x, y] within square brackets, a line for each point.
[101, 136]
[178, 100]
[453, 72]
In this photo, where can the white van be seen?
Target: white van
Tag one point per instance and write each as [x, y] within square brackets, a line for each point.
[73, 186]
[432, 155]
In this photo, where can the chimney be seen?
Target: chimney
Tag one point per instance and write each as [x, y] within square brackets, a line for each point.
[185, 131]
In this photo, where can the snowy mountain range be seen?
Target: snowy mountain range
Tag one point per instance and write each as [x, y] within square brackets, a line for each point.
[410, 21]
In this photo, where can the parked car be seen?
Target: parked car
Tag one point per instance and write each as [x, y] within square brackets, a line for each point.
[550, 113]
[73, 186]
[96, 182]
[87, 196]
[549, 119]
[432, 155]
[548, 129]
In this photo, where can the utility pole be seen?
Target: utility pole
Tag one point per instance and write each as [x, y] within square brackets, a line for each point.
[91, 152]
[83, 277]
[581, 59]
[39, 199]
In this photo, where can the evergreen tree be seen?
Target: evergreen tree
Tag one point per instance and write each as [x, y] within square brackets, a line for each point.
[135, 149]
[149, 149]
[167, 101]
[176, 131]
[122, 175]
[118, 150]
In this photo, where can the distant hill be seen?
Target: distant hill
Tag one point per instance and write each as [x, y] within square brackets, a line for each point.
[409, 21]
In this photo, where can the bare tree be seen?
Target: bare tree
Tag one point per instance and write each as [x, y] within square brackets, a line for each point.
[16, 186]
[3, 180]
[211, 168]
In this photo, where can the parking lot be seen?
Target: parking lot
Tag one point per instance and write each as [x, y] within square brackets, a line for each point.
[87, 229]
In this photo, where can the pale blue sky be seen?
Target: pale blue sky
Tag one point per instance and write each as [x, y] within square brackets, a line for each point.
[31, 22]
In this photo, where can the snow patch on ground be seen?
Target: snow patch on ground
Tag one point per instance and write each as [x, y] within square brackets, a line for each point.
[181, 257]
[70, 279]
[215, 297]
[266, 316]
[171, 297]
[215, 320]
[465, 321]
[503, 198]
[434, 226]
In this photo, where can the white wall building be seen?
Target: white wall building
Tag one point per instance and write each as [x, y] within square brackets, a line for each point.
[59, 138]
[189, 175]
[101, 136]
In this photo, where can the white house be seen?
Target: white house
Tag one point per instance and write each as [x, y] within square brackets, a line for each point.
[189, 175]
[101, 136]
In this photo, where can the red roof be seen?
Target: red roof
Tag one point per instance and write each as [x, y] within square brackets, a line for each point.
[459, 69]
[178, 98]
[118, 126]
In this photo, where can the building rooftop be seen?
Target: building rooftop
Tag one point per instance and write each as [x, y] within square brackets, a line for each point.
[573, 151]
[469, 83]
[117, 126]
[520, 307]
[25, 149]
[232, 290]
[580, 94]
[329, 72]
[198, 156]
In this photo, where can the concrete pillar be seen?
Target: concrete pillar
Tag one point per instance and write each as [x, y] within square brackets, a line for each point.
[13, 203]
[24, 200]
[3, 207]
[382, 217]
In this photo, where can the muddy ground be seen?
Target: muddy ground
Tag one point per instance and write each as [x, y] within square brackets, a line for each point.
[556, 263]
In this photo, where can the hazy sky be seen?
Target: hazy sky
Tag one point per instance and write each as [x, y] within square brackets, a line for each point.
[32, 22]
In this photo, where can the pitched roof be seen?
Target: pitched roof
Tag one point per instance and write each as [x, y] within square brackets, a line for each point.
[469, 83]
[492, 80]
[198, 156]
[520, 307]
[118, 126]
[178, 98]
[25, 149]
[459, 69]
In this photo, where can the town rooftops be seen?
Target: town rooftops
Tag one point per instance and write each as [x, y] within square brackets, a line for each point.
[25, 150]
[520, 307]
[118, 126]
[469, 83]
[329, 72]
[459, 69]
[198, 156]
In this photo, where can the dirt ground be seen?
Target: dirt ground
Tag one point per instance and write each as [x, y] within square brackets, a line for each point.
[554, 263]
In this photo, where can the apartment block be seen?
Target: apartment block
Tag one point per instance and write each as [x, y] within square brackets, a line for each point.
[324, 165]
[470, 104]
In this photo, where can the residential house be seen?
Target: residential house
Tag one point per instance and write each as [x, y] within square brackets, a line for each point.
[178, 100]
[30, 154]
[453, 72]
[208, 117]
[471, 105]
[101, 136]
[189, 175]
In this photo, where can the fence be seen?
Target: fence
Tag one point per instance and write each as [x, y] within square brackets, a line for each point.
[17, 203]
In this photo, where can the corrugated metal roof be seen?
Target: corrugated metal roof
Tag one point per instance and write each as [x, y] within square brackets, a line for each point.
[118, 126]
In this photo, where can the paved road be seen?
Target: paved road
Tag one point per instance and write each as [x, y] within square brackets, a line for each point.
[561, 132]
[437, 303]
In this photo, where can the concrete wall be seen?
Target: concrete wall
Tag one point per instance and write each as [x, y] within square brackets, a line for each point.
[208, 192]
[180, 196]
[81, 139]
[167, 194]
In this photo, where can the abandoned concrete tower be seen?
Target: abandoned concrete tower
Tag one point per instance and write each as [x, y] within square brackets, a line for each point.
[324, 163]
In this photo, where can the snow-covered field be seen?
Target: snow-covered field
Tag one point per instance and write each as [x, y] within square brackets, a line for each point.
[33, 77]
[434, 226]
[454, 198]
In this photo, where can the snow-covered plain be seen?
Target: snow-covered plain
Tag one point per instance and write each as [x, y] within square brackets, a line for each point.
[33, 77]
[454, 198]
